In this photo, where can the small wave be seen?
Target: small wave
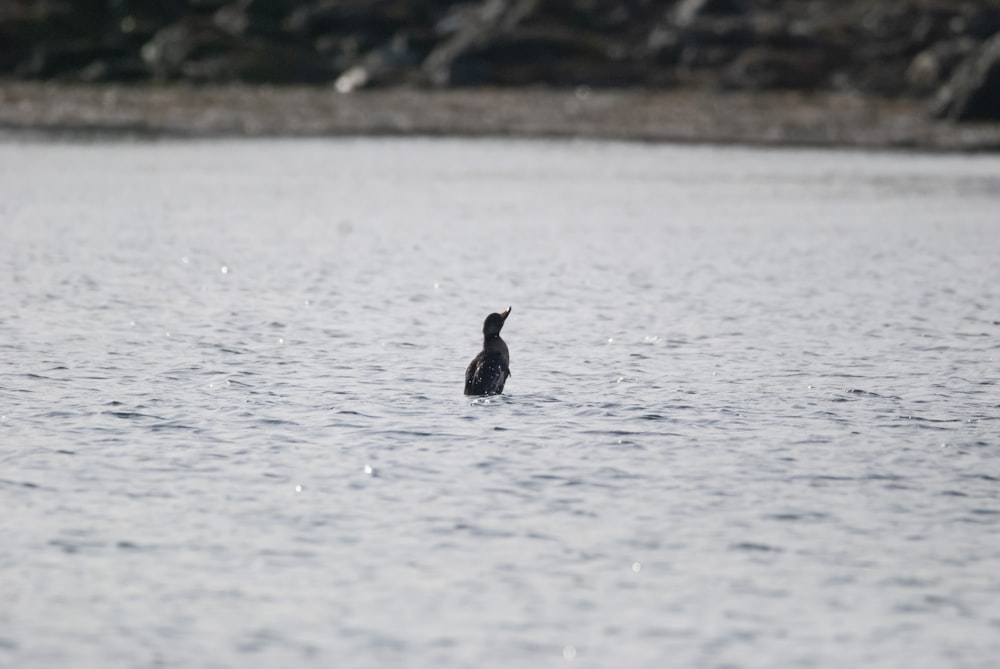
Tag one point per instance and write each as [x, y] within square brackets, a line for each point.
[755, 547]
[20, 484]
[794, 517]
[931, 422]
[171, 426]
[131, 415]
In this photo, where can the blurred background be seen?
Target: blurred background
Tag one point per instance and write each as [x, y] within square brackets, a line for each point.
[944, 51]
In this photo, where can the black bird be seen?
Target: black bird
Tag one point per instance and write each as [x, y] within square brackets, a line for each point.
[488, 371]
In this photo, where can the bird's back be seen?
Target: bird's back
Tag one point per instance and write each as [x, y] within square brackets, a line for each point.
[487, 372]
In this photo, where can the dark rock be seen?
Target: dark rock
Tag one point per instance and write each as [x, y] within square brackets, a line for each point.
[375, 21]
[880, 47]
[256, 62]
[770, 69]
[686, 12]
[528, 57]
[973, 92]
[711, 42]
[137, 27]
[39, 39]
[664, 45]
[175, 45]
[731, 31]
[252, 18]
[470, 30]
[197, 49]
[203, 6]
[977, 19]
[525, 42]
[367, 43]
[57, 59]
[870, 45]
[882, 78]
[123, 69]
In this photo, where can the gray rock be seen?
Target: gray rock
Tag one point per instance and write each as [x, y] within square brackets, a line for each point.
[385, 65]
[973, 92]
[180, 43]
[930, 68]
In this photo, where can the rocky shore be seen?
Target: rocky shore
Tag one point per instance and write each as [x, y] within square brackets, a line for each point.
[880, 73]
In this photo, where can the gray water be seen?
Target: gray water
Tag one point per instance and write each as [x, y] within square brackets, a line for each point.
[752, 421]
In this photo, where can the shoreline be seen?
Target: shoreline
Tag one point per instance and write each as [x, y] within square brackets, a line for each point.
[684, 115]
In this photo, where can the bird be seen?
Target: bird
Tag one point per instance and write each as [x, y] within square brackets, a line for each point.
[489, 370]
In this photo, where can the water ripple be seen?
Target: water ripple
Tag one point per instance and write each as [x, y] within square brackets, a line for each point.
[753, 410]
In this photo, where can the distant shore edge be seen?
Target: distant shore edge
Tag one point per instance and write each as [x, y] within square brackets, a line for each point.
[678, 115]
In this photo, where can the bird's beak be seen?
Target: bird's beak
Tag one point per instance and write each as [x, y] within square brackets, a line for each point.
[505, 314]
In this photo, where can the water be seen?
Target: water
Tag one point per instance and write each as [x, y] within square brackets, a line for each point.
[752, 422]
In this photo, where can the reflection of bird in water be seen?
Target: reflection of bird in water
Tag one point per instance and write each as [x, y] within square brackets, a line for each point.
[488, 371]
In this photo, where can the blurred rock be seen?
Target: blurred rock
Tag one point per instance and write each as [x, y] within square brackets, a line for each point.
[715, 41]
[256, 62]
[253, 18]
[930, 68]
[760, 69]
[976, 19]
[532, 57]
[973, 92]
[114, 69]
[388, 64]
[470, 31]
[183, 42]
[886, 48]
[197, 49]
[686, 12]
[527, 42]
[45, 40]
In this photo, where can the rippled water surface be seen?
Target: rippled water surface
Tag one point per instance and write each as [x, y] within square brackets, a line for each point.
[752, 421]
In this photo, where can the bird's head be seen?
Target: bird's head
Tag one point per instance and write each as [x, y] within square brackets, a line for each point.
[494, 323]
